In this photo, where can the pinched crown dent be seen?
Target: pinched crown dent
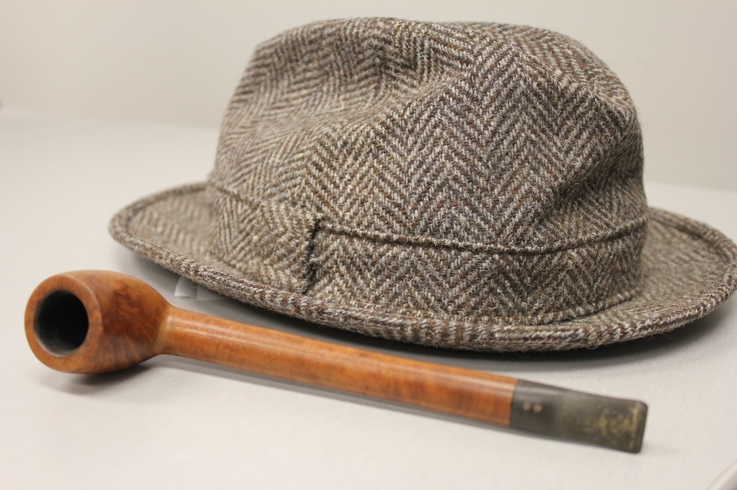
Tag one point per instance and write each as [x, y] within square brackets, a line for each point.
[479, 133]
[504, 149]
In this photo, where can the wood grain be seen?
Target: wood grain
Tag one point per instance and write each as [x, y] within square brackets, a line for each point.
[129, 322]
[95, 322]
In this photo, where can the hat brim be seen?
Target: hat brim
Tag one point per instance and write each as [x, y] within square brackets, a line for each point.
[688, 269]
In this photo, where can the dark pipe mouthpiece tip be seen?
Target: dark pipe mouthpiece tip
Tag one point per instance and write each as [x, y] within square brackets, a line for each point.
[565, 414]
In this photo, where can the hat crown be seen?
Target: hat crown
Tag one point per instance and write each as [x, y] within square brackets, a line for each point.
[502, 149]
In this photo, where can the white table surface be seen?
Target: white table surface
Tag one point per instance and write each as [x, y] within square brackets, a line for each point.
[176, 423]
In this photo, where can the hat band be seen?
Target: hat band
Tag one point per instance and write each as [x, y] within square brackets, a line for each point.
[287, 248]
[452, 284]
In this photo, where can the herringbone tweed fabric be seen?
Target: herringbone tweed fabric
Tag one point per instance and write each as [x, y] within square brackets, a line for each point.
[474, 186]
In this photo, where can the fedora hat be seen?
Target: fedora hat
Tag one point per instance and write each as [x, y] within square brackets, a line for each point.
[467, 185]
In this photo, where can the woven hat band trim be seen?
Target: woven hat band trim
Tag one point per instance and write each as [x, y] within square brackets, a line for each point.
[289, 248]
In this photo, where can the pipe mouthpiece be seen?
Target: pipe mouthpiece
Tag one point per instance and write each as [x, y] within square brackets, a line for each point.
[571, 415]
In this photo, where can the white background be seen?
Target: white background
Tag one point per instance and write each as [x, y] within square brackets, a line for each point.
[178, 61]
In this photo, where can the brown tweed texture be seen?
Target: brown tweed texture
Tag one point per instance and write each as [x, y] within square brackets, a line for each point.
[474, 186]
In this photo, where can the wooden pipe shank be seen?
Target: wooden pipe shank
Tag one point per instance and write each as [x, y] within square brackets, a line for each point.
[463, 392]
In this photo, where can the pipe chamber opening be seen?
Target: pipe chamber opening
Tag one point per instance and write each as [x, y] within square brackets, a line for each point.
[61, 323]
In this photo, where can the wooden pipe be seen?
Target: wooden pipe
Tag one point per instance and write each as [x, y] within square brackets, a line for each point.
[95, 322]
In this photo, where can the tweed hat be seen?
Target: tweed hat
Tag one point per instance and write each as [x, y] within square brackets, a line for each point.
[466, 185]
